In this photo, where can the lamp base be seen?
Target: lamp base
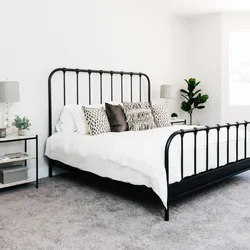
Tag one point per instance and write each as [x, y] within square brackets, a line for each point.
[6, 120]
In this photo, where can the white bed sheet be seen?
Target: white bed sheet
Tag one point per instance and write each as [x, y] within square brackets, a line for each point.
[138, 157]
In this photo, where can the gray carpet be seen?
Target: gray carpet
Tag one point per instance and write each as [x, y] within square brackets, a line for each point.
[66, 213]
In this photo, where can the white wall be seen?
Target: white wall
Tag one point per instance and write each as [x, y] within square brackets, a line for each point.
[209, 62]
[205, 64]
[38, 36]
[231, 22]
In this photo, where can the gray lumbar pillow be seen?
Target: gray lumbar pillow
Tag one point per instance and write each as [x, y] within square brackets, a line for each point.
[116, 117]
[139, 115]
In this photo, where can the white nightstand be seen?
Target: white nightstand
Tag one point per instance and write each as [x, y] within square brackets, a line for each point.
[25, 139]
[178, 121]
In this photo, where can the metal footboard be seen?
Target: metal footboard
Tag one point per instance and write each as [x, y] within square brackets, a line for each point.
[209, 176]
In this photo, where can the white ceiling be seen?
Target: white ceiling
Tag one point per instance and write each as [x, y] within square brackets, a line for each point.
[198, 7]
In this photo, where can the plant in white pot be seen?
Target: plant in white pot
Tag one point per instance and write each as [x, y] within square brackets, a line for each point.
[23, 125]
[174, 116]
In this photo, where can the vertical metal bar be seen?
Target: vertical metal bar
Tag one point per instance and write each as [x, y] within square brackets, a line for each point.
[77, 86]
[36, 161]
[131, 90]
[166, 216]
[182, 170]
[195, 150]
[140, 85]
[121, 86]
[237, 141]
[89, 71]
[25, 150]
[149, 88]
[64, 86]
[50, 168]
[101, 87]
[207, 147]
[245, 140]
[218, 145]
[111, 74]
[50, 104]
[228, 138]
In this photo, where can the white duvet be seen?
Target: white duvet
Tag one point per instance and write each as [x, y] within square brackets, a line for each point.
[138, 157]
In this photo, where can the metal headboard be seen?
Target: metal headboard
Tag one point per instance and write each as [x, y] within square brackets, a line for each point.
[89, 72]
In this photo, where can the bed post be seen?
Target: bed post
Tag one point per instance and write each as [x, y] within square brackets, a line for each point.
[166, 210]
[168, 143]
[50, 168]
[50, 113]
[166, 215]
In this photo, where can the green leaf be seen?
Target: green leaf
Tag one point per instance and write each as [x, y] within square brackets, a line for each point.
[191, 86]
[197, 84]
[196, 92]
[192, 81]
[185, 97]
[203, 98]
[185, 106]
[184, 91]
[200, 107]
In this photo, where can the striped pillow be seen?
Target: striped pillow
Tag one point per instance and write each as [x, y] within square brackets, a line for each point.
[139, 115]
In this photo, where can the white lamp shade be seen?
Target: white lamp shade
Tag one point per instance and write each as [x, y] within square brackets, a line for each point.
[9, 92]
[167, 92]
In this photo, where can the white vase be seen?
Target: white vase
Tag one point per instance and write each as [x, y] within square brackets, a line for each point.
[22, 132]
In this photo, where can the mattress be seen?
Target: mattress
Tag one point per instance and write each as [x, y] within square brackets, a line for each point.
[137, 157]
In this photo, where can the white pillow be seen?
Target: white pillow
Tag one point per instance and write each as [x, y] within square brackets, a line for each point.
[72, 118]
[66, 122]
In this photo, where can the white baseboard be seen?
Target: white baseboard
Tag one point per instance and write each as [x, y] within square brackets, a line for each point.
[43, 172]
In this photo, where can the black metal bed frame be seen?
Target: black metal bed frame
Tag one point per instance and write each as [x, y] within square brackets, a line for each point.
[187, 185]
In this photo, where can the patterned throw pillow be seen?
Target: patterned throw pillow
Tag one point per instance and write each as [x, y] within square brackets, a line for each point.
[97, 120]
[139, 115]
[161, 114]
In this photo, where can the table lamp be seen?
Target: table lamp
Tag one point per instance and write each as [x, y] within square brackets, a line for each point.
[9, 93]
[167, 92]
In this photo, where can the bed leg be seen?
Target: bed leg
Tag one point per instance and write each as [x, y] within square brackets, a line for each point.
[166, 215]
[50, 169]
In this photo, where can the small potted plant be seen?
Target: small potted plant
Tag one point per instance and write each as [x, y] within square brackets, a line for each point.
[23, 125]
[174, 116]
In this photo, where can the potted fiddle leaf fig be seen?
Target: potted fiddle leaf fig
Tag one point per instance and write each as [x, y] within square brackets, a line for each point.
[23, 125]
[193, 98]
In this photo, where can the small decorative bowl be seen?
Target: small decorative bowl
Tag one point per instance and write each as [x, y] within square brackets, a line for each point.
[2, 132]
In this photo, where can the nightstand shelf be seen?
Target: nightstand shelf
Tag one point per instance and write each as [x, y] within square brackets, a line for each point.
[16, 138]
[178, 121]
[24, 158]
[16, 183]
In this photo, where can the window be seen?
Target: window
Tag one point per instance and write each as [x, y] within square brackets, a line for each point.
[239, 68]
